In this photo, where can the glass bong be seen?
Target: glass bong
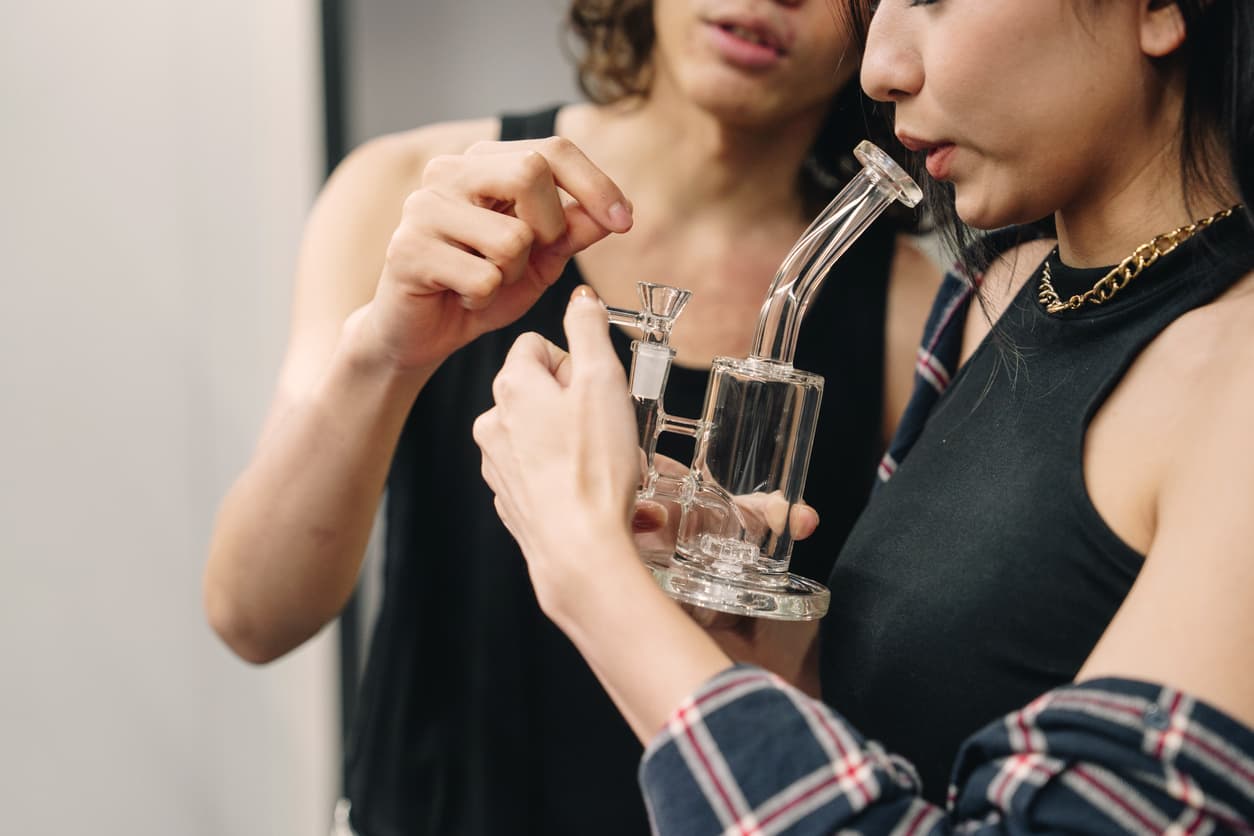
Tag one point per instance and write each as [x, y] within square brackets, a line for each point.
[736, 502]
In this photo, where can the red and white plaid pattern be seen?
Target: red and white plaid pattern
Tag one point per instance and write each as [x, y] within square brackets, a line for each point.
[750, 756]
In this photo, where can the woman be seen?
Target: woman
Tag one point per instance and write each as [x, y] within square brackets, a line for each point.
[1063, 463]
[724, 122]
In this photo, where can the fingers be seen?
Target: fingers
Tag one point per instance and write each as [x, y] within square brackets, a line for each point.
[528, 372]
[548, 261]
[582, 230]
[804, 521]
[532, 365]
[592, 354]
[775, 511]
[484, 431]
[572, 171]
[647, 517]
[444, 244]
[486, 435]
[520, 183]
[420, 265]
[504, 202]
[667, 466]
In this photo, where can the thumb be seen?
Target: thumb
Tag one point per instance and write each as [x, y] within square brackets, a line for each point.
[582, 231]
[588, 336]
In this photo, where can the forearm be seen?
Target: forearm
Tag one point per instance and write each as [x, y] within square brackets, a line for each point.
[646, 652]
[291, 533]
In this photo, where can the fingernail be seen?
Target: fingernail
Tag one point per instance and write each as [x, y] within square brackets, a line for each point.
[620, 217]
[583, 293]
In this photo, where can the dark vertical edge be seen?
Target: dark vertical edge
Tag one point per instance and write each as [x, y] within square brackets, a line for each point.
[334, 72]
[335, 119]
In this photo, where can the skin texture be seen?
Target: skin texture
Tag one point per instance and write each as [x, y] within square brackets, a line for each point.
[819, 59]
[421, 241]
[1168, 473]
[956, 71]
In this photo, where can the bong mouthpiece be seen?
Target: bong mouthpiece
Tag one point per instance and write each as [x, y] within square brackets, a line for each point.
[880, 182]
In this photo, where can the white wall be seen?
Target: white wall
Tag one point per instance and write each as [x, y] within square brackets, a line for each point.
[156, 160]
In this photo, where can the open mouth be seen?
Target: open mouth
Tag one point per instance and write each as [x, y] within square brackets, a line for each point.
[753, 36]
[939, 153]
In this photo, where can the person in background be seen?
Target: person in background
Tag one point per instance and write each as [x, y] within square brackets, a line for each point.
[1072, 518]
[718, 128]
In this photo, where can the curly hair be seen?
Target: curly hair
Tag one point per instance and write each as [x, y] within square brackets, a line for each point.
[613, 53]
[616, 38]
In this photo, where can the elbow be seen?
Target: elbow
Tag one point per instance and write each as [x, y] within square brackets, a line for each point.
[236, 628]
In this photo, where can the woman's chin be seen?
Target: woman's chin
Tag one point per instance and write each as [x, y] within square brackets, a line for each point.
[980, 211]
[992, 200]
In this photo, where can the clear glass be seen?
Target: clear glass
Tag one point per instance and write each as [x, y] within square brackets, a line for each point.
[880, 182]
[727, 540]
[735, 533]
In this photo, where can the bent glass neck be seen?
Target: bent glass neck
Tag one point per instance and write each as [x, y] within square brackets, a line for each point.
[880, 182]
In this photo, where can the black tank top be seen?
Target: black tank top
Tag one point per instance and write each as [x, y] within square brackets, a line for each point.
[476, 716]
[981, 575]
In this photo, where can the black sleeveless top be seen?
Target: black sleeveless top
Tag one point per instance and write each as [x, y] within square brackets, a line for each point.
[981, 575]
[476, 716]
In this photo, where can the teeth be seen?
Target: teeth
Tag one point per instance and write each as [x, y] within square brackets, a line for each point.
[747, 35]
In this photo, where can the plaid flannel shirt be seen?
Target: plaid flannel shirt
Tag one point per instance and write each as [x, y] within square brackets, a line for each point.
[748, 755]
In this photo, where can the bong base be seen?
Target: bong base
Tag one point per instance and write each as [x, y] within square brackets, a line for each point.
[784, 598]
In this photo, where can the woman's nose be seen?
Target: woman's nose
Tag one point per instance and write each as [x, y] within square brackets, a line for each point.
[892, 69]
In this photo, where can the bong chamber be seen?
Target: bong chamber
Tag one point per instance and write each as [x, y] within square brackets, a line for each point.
[733, 510]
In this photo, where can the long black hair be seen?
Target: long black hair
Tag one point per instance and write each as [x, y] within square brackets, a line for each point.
[1219, 102]
[1218, 117]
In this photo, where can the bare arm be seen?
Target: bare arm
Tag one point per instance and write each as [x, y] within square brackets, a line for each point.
[1189, 620]
[390, 282]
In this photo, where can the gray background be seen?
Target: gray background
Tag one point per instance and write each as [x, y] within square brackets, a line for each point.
[411, 62]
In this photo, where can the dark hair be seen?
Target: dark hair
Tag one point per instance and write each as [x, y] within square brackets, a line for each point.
[1219, 100]
[616, 38]
[1218, 114]
[613, 50]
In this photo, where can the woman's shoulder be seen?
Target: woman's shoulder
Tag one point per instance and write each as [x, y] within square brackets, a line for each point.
[1213, 346]
[445, 137]
[360, 203]
[1200, 373]
[348, 229]
[1189, 619]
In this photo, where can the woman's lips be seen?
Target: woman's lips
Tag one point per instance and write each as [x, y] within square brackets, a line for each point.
[744, 46]
[939, 154]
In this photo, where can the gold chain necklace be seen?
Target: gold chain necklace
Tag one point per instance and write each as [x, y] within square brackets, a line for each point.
[1126, 270]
